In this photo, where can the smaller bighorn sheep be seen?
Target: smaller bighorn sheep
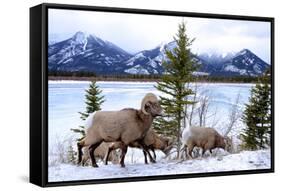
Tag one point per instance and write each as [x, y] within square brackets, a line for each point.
[125, 126]
[151, 141]
[100, 153]
[205, 138]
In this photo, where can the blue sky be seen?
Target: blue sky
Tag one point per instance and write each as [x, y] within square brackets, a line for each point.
[135, 32]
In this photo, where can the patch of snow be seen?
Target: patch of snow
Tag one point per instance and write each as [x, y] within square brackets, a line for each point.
[102, 54]
[200, 74]
[130, 64]
[224, 54]
[243, 72]
[231, 68]
[137, 70]
[139, 55]
[98, 40]
[251, 60]
[80, 38]
[84, 47]
[155, 71]
[257, 69]
[243, 52]
[89, 54]
[68, 60]
[246, 160]
[132, 60]
[152, 64]
[159, 58]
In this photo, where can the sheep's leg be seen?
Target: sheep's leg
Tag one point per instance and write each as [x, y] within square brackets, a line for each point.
[80, 145]
[146, 150]
[124, 149]
[203, 152]
[84, 159]
[92, 149]
[107, 155]
[186, 152]
[183, 152]
[154, 155]
[211, 152]
[145, 156]
[190, 149]
[150, 157]
[114, 146]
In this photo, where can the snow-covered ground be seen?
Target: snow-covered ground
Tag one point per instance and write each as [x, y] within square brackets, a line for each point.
[66, 99]
[246, 160]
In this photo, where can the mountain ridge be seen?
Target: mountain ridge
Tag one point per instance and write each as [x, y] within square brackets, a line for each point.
[87, 52]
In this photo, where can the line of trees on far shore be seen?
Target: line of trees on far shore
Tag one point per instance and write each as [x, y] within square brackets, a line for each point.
[53, 74]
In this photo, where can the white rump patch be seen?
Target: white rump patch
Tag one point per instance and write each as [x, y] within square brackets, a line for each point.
[185, 135]
[89, 120]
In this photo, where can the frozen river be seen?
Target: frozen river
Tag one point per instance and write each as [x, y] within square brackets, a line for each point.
[66, 99]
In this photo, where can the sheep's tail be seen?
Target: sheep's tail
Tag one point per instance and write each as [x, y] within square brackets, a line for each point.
[185, 135]
[80, 144]
[89, 121]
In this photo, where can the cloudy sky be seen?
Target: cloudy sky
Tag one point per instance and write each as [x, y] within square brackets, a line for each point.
[135, 32]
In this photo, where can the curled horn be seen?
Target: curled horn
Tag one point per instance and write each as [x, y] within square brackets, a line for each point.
[147, 97]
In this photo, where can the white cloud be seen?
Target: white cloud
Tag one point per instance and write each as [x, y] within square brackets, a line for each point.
[135, 32]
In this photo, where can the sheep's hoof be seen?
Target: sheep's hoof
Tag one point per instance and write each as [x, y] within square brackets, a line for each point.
[95, 165]
[153, 161]
[122, 165]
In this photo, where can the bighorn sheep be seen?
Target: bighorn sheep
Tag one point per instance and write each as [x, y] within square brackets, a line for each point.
[151, 141]
[205, 138]
[125, 126]
[100, 153]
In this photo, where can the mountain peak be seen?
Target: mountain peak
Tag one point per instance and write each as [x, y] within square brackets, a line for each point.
[80, 37]
[244, 51]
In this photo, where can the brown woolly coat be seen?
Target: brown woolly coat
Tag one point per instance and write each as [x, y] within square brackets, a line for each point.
[205, 138]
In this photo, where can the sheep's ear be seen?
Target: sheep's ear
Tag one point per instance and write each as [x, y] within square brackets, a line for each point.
[147, 106]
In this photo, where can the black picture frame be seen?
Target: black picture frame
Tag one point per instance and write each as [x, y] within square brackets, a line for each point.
[39, 92]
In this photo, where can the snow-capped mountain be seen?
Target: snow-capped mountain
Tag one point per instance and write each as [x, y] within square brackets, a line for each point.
[244, 63]
[216, 59]
[84, 52]
[148, 61]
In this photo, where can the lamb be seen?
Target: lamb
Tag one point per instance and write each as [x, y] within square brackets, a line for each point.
[100, 153]
[205, 138]
[125, 126]
[151, 141]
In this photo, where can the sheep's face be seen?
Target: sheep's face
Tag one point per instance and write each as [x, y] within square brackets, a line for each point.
[167, 146]
[154, 108]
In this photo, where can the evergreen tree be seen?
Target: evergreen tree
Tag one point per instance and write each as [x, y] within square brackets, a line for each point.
[257, 116]
[93, 103]
[175, 86]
